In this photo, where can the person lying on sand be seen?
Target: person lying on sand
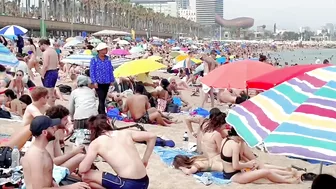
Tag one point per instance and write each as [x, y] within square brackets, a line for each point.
[37, 163]
[72, 159]
[119, 151]
[248, 172]
[139, 108]
[191, 165]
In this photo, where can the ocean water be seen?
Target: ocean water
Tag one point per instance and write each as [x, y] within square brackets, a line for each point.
[305, 56]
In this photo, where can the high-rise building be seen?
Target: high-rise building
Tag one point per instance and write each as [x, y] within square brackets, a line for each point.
[167, 7]
[182, 4]
[207, 9]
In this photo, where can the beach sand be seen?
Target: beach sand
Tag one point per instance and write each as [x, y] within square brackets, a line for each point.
[163, 177]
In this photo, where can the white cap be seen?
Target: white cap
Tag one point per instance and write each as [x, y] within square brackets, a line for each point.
[101, 46]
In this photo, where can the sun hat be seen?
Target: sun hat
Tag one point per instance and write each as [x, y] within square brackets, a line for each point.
[101, 46]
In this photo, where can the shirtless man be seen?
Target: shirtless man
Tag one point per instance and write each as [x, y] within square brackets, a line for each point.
[118, 150]
[72, 159]
[49, 72]
[37, 162]
[140, 110]
[38, 107]
[209, 65]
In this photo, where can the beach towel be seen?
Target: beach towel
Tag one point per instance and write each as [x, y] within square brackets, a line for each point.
[202, 112]
[177, 101]
[167, 156]
[114, 113]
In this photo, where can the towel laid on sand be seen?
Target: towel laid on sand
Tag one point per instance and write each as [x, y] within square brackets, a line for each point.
[167, 156]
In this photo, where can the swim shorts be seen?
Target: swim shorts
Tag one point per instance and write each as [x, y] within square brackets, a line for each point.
[144, 119]
[111, 181]
[50, 79]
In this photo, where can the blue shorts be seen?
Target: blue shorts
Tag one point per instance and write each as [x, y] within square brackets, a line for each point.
[111, 181]
[50, 79]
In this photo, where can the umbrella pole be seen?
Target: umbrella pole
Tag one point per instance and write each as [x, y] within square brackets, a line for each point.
[321, 167]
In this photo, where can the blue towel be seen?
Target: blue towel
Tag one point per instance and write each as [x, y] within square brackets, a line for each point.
[114, 113]
[167, 156]
[202, 112]
[177, 101]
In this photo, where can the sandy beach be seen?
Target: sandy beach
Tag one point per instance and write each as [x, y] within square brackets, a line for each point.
[163, 177]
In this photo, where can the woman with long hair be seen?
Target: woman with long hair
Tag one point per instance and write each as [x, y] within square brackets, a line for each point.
[32, 58]
[247, 172]
[17, 84]
[98, 125]
[191, 165]
[16, 106]
[212, 133]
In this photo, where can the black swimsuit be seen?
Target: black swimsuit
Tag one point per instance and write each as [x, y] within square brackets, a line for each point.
[227, 176]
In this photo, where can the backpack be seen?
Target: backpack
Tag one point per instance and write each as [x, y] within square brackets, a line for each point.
[5, 114]
[66, 89]
[5, 157]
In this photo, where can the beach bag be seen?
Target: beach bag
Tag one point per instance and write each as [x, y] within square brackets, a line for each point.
[161, 105]
[5, 114]
[66, 89]
[173, 108]
[5, 157]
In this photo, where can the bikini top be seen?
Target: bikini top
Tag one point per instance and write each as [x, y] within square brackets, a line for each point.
[225, 158]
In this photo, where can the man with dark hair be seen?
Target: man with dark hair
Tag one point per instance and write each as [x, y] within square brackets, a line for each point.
[49, 72]
[324, 181]
[37, 163]
[140, 109]
[70, 160]
[119, 151]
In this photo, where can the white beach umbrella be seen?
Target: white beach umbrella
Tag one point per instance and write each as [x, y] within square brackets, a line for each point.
[123, 42]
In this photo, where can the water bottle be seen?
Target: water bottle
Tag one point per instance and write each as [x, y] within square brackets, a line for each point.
[186, 141]
[15, 157]
[80, 136]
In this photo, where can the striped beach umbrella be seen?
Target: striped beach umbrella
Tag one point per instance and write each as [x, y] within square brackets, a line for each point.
[80, 59]
[295, 118]
[13, 30]
[7, 58]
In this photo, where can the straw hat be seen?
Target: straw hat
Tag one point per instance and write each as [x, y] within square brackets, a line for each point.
[101, 46]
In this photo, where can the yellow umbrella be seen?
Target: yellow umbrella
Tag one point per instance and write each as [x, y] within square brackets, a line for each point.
[87, 52]
[181, 57]
[70, 39]
[136, 67]
[156, 58]
[196, 61]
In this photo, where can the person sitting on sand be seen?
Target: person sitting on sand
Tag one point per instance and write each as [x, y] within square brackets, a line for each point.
[70, 160]
[191, 165]
[233, 167]
[119, 151]
[82, 103]
[39, 105]
[17, 84]
[211, 135]
[140, 110]
[37, 163]
[15, 105]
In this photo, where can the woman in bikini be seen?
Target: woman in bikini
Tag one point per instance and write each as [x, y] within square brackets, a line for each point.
[191, 165]
[32, 59]
[15, 105]
[17, 84]
[247, 172]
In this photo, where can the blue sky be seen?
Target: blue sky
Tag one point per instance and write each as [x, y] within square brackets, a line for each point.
[288, 14]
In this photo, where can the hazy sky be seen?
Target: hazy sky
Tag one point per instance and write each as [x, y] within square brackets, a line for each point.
[287, 14]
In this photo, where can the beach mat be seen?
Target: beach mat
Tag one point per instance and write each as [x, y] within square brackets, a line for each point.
[167, 156]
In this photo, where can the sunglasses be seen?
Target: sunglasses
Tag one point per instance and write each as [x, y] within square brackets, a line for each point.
[19, 75]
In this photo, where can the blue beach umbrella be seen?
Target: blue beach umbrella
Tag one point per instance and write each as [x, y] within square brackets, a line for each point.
[13, 30]
[7, 58]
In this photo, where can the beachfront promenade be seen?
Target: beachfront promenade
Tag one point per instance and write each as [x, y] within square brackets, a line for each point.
[34, 24]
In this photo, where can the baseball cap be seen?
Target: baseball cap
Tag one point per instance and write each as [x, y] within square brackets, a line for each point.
[41, 123]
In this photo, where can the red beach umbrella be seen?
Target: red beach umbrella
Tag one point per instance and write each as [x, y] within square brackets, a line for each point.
[271, 79]
[236, 74]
